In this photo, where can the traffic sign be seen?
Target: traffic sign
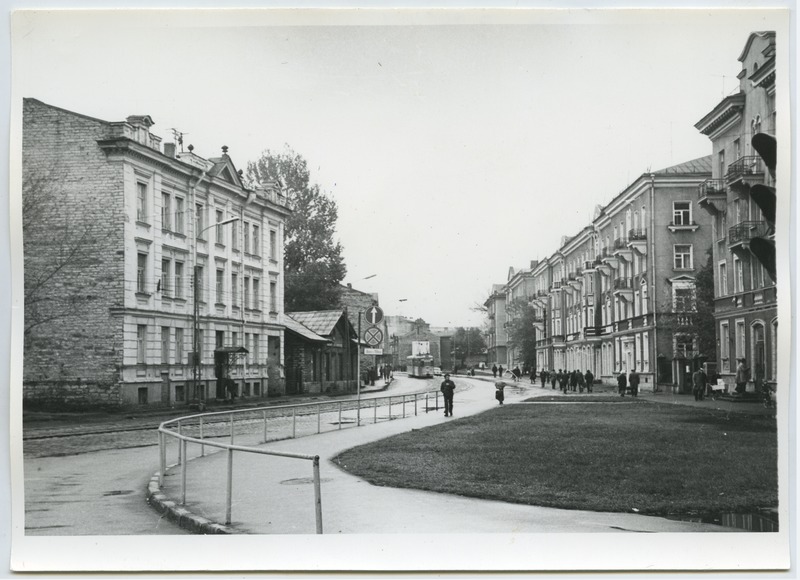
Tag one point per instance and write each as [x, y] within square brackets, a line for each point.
[374, 314]
[373, 351]
[373, 336]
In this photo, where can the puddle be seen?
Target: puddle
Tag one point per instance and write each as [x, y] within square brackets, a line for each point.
[763, 521]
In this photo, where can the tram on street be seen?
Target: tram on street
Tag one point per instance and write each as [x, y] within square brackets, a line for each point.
[420, 366]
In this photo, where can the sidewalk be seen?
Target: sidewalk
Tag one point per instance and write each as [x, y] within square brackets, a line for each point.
[274, 495]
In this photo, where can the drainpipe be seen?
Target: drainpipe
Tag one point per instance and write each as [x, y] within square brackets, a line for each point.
[652, 275]
[195, 300]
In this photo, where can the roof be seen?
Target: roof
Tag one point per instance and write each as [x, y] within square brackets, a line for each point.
[297, 328]
[699, 165]
[321, 322]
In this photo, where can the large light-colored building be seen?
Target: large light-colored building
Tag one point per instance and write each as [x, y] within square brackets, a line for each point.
[113, 313]
[745, 295]
[496, 335]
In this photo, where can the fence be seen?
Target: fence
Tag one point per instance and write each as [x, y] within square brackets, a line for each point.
[263, 424]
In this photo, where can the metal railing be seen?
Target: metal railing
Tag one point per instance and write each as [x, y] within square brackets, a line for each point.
[620, 244]
[711, 187]
[289, 421]
[622, 284]
[748, 165]
[746, 231]
[637, 234]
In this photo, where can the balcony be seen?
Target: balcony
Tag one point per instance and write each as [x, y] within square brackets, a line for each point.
[555, 286]
[739, 236]
[637, 240]
[745, 171]
[592, 332]
[623, 287]
[621, 249]
[590, 265]
[712, 195]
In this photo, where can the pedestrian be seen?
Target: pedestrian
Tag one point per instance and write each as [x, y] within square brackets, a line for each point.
[500, 371]
[553, 379]
[622, 383]
[699, 382]
[633, 381]
[742, 376]
[498, 393]
[589, 378]
[543, 377]
[517, 373]
[372, 376]
[533, 376]
[447, 389]
[581, 382]
[563, 380]
[573, 381]
[494, 371]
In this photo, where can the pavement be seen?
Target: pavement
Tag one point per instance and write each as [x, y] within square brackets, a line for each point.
[275, 495]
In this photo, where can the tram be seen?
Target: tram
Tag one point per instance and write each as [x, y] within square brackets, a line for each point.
[420, 366]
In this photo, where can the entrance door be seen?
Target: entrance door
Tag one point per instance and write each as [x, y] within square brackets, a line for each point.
[759, 355]
[165, 387]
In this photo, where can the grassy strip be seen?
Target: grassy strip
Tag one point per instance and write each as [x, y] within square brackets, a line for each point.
[659, 459]
[579, 398]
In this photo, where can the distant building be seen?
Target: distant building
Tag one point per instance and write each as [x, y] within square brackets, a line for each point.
[497, 335]
[110, 261]
[321, 353]
[745, 295]
[518, 289]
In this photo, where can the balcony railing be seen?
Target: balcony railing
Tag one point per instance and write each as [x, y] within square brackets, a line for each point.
[623, 284]
[592, 331]
[556, 285]
[748, 165]
[746, 231]
[637, 234]
[572, 276]
[620, 244]
[589, 264]
[711, 187]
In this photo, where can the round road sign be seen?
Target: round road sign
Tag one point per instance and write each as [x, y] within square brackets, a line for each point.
[374, 314]
[373, 336]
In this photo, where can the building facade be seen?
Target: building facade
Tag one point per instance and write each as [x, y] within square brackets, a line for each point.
[496, 335]
[519, 291]
[619, 295]
[745, 305]
[133, 294]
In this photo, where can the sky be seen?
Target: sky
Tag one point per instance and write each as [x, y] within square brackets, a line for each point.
[455, 145]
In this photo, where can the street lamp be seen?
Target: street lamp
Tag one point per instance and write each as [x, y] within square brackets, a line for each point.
[196, 317]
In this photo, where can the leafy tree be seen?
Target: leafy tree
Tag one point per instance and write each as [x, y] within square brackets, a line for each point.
[313, 262]
[521, 331]
[468, 342]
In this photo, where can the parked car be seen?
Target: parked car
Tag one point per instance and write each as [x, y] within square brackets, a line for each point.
[437, 371]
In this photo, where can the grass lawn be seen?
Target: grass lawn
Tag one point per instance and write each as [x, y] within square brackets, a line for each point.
[658, 459]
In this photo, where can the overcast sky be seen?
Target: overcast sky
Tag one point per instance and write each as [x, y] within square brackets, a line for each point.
[453, 151]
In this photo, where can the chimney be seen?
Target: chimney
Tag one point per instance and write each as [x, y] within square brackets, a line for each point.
[350, 285]
[534, 263]
[169, 150]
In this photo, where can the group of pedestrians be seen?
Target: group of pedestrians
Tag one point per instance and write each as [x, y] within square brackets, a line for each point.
[497, 371]
[567, 380]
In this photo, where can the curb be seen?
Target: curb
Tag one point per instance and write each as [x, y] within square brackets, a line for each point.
[179, 515]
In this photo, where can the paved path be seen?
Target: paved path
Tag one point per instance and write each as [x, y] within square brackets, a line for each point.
[275, 495]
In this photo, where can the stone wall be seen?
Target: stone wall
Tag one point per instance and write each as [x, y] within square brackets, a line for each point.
[73, 258]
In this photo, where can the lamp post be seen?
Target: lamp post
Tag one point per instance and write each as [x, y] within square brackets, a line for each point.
[196, 317]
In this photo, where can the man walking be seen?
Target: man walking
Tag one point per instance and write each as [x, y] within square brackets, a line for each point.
[447, 389]
[622, 383]
[589, 378]
[494, 371]
[544, 378]
[742, 376]
[553, 379]
[633, 381]
[699, 380]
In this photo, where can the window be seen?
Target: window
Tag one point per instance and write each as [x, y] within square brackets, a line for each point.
[220, 286]
[256, 241]
[256, 291]
[165, 278]
[273, 245]
[684, 346]
[165, 345]
[166, 211]
[200, 339]
[682, 213]
[247, 346]
[178, 279]
[234, 338]
[273, 297]
[141, 343]
[179, 204]
[199, 222]
[683, 256]
[683, 299]
[234, 289]
[246, 236]
[141, 393]
[256, 339]
[740, 338]
[180, 393]
[141, 202]
[247, 292]
[722, 279]
[645, 352]
[738, 275]
[141, 272]
[220, 231]
[178, 346]
[219, 338]
[721, 163]
[737, 149]
[235, 235]
[724, 347]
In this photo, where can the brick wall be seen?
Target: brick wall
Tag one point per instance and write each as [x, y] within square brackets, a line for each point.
[75, 355]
